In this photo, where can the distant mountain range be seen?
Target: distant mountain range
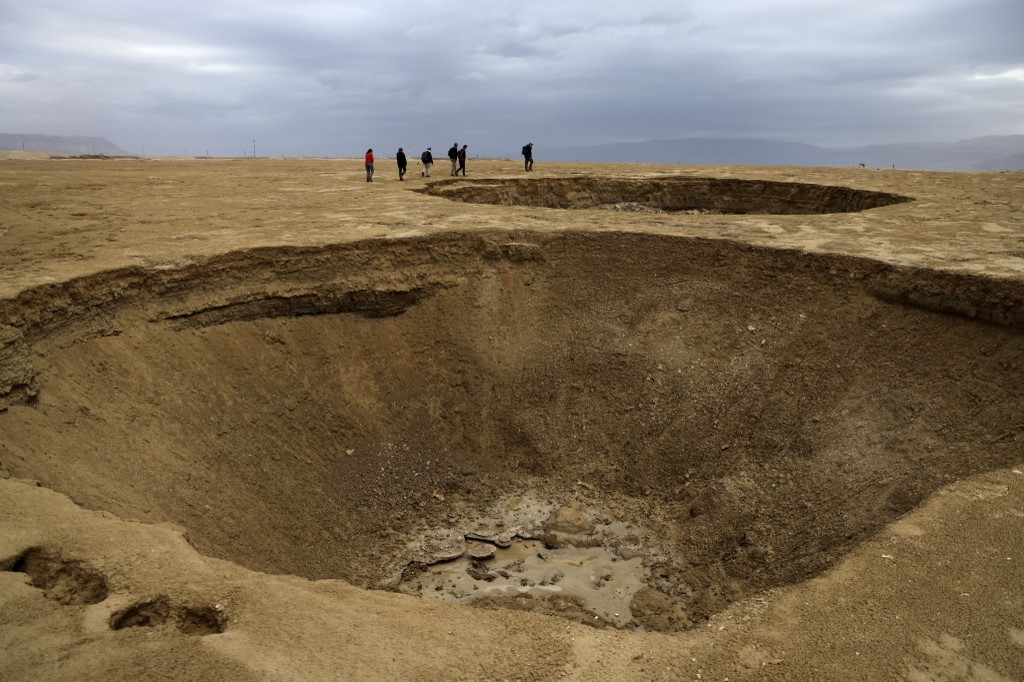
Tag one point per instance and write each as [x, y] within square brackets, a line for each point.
[73, 146]
[1004, 152]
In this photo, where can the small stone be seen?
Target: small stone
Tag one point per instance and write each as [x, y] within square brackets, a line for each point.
[482, 552]
[446, 546]
[501, 538]
[552, 577]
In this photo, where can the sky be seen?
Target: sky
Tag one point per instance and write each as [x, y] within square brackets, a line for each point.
[333, 78]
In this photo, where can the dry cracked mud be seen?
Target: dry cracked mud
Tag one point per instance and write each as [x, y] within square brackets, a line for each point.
[652, 420]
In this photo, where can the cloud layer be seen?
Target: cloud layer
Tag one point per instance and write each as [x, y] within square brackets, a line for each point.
[333, 78]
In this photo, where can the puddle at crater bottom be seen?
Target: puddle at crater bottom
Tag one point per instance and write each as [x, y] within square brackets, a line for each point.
[592, 579]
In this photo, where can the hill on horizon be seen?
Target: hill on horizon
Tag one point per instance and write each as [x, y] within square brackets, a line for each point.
[58, 144]
[991, 153]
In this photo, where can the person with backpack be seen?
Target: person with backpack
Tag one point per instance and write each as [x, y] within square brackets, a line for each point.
[428, 160]
[462, 160]
[402, 163]
[528, 156]
[453, 156]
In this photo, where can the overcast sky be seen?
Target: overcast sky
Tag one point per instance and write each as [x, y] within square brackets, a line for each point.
[332, 77]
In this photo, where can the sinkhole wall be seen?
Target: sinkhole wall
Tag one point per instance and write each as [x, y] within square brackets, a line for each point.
[304, 410]
[669, 194]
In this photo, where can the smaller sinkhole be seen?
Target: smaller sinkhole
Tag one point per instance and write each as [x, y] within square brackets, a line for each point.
[666, 195]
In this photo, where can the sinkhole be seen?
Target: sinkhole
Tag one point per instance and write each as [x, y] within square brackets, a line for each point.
[628, 430]
[694, 195]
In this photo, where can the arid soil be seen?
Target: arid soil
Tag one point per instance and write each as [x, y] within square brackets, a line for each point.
[242, 403]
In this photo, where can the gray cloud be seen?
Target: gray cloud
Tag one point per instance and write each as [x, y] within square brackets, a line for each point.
[326, 78]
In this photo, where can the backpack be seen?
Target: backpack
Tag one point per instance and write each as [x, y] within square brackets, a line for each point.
[425, 157]
[526, 150]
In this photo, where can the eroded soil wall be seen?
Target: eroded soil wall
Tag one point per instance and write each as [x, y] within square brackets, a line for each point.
[688, 194]
[304, 410]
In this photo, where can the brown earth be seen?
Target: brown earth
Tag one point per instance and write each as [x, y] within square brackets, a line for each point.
[801, 388]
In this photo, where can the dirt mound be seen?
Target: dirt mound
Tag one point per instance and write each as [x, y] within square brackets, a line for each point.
[752, 413]
[678, 194]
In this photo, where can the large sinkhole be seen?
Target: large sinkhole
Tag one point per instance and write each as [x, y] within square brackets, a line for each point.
[666, 194]
[628, 430]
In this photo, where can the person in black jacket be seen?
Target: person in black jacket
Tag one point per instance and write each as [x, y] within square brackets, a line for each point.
[528, 156]
[453, 155]
[428, 160]
[462, 160]
[402, 163]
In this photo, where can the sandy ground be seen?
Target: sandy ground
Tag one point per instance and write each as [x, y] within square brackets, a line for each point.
[935, 595]
[68, 218]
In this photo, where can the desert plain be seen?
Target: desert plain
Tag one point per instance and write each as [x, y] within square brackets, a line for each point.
[248, 405]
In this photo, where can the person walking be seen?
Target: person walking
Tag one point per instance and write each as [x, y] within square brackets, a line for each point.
[428, 160]
[402, 163]
[528, 156]
[369, 165]
[453, 156]
[462, 160]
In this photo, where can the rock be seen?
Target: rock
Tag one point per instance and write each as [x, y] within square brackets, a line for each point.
[478, 572]
[441, 546]
[482, 552]
[570, 520]
[501, 538]
[552, 576]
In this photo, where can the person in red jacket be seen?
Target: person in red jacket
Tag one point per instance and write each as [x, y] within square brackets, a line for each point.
[369, 165]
